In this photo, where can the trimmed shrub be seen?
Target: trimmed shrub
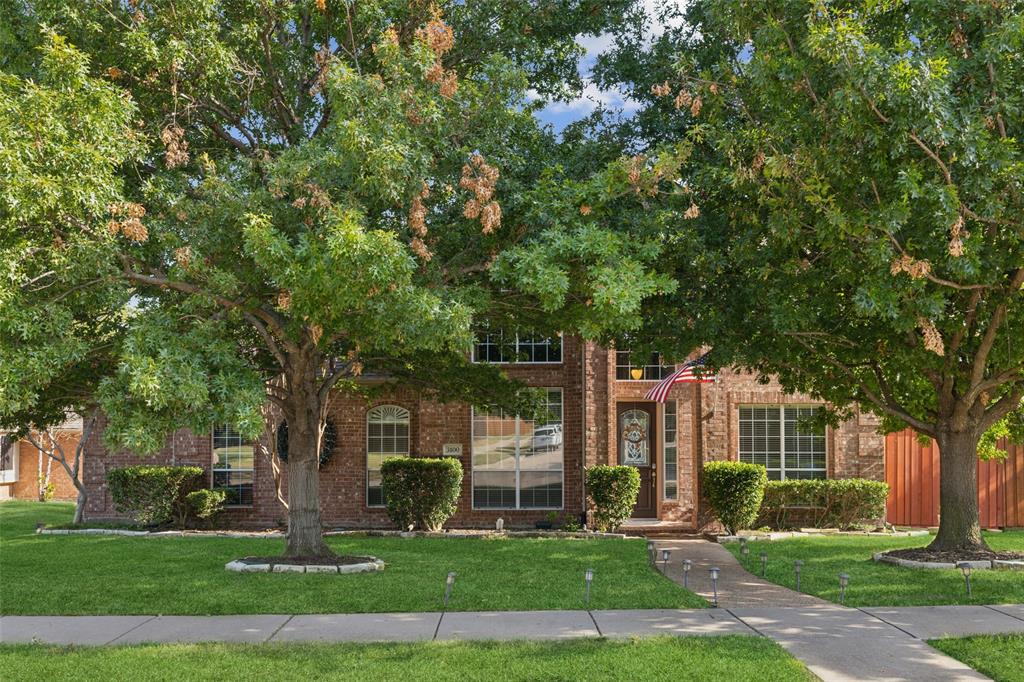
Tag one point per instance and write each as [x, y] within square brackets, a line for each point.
[613, 490]
[734, 490]
[823, 503]
[205, 503]
[154, 495]
[421, 492]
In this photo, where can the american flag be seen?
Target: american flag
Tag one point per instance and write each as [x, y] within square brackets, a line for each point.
[690, 372]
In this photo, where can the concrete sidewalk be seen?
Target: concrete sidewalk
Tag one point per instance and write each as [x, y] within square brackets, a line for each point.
[836, 643]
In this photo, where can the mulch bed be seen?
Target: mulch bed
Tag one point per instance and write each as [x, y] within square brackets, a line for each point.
[308, 560]
[925, 554]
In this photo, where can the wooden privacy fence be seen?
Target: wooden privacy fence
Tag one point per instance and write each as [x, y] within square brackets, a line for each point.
[912, 472]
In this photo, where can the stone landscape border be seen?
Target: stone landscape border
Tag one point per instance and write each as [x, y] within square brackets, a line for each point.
[984, 564]
[786, 535]
[374, 564]
[276, 534]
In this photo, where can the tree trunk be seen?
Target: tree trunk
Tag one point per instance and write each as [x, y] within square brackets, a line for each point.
[305, 530]
[79, 504]
[959, 529]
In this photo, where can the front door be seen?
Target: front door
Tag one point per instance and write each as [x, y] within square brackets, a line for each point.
[638, 448]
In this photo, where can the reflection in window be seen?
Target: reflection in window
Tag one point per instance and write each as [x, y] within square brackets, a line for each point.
[654, 370]
[387, 436]
[517, 463]
[499, 348]
[783, 440]
[671, 452]
[232, 465]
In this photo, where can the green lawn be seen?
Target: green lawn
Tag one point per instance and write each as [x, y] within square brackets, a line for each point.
[1001, 657]
[878, 584]
[82, 574]
[734, 658]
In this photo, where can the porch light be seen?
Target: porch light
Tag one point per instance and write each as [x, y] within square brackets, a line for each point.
[448, 584]
[844, 580]
[687, 565]
[637, 373]
[588, 577]
[665, 554]
[714, 571]
[764, 563]
[965, 568]
[797, 565]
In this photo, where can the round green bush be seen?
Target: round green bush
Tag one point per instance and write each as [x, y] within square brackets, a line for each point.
[421, 492]
[734, 491]
[613, 490]
[205, 503]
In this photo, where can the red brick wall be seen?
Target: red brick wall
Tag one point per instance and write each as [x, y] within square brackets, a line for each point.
[27, 485]
[707, 429]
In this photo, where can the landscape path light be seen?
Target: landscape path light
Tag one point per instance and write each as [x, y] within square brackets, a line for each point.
[449, 582]
[764, 563]
[745, 551]
[797, 565]
[844, 580]
[665, 554]
[714, 571]
[687, 565]
[588, 578]
[965, 568]
[650, 552]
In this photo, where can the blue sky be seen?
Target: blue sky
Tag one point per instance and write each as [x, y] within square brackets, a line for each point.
[559, 114]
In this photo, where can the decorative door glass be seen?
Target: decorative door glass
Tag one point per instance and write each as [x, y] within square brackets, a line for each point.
[635, 429]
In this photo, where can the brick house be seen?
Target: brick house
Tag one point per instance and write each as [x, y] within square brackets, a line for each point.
[520, 470]
[20, 464]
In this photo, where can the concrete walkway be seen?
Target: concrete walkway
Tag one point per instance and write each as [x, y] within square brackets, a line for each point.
[736, 587]
[836, 643]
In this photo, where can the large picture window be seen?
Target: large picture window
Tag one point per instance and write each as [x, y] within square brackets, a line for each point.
[518, 463]
[520, 348]
[387, 436]
[232, 465]
[654, 370]
[784, 440]
[669, 434]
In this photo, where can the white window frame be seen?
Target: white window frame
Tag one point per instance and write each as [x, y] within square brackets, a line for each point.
[11, 475]
[781, 407]
[214, 468]
[472, 467]
[559, 336]
[396, 418]
[665, 480]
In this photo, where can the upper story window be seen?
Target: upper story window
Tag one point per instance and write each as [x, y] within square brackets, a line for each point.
[783, 439]
[233, 465]
[387, 436]
[654, 370]
[522, 348]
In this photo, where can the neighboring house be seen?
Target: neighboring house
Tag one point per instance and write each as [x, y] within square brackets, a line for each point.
[520, 470]
[21, 464]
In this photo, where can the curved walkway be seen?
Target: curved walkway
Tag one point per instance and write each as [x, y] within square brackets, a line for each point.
[736, 586]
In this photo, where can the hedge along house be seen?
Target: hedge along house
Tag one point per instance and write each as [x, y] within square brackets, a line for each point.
[521, 470]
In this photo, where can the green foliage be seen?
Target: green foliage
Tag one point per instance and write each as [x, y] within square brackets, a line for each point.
[421, 492]
[613, 491]
[843, 503]
[205, 503]
[154, 495]
[734, 490]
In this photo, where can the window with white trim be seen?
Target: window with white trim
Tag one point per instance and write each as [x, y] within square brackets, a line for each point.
[233, 465]
[518, 463]
[654, 370]
[784, 439]
[517, 348]
[387, 436]
[8, 458]
[669, 431]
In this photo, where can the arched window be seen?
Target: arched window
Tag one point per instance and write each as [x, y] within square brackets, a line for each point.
[387, 435]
